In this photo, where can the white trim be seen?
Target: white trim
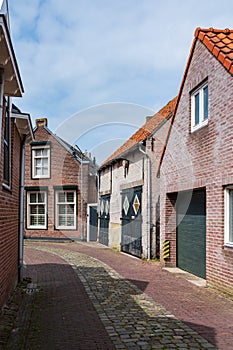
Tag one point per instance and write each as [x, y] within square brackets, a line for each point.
[227, 217]
[39, 227]
[202, 122]
[34, 148]
[57, 203]
[7, 102]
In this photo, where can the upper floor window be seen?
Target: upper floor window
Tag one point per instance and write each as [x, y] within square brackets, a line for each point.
[199, 107]
[41, 162]
[6, 165]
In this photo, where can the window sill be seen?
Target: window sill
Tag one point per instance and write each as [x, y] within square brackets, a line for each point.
[6, 187]
[66, 228]
[199, 126]
[37, 228]
[228, 246]
[40, 177]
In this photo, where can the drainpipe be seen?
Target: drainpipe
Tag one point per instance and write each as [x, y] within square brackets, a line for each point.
[21, 211]
[148, 199]
[82, 223]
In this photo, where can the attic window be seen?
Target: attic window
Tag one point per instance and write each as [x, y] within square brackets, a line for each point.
[41, 162]
[199, 107]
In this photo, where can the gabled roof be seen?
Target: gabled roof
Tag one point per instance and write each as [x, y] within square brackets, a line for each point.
[220, 43]
[141, 134]
[75, 151]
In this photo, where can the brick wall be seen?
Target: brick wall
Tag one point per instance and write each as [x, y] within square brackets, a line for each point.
[65, 170]
[9, 219]
[202, 159]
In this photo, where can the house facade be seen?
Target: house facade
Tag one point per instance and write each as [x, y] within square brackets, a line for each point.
[196, 173]
[59, 182]
[128, 196]
[14, 127]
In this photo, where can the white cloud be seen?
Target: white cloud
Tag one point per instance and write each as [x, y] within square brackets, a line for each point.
[75, 54]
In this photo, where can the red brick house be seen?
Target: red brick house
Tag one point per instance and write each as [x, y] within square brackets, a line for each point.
[128, 193]
[196, 166]
[59, 182]
[14, 127]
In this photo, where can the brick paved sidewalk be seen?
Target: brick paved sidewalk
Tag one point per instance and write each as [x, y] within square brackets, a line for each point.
[62, 316]
[206, 312]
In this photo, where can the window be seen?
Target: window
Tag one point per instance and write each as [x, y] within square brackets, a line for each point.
[229, 216]
[65, 209]
[40, 162]
[199, 107]
[37, 210]
[6, 165]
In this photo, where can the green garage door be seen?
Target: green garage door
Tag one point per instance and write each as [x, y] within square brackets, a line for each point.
[191, 232]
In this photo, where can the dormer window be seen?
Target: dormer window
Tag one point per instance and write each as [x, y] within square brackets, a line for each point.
[199, 107]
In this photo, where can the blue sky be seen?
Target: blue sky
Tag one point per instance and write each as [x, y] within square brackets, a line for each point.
[97, 68]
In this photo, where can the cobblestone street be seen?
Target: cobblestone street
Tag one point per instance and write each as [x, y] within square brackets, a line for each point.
[79, 301]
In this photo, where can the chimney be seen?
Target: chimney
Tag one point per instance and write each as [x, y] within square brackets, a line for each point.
[41, 122]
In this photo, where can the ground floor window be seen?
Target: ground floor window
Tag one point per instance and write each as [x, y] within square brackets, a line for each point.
[65, 209]
[37, 210]
[229, 216]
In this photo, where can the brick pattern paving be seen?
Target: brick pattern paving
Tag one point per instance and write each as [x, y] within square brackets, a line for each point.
[208, 313]
[132, 319]
[63, 316]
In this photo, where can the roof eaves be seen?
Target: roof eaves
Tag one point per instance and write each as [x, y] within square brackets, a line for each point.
[3, 18]
[119, 156]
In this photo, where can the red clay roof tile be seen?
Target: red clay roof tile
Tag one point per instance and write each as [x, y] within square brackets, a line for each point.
[227, 63]
[219, 42]
[142, 133]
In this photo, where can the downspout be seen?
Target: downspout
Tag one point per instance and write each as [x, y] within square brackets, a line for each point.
[21, 211]
[82, 218]
[148, 200]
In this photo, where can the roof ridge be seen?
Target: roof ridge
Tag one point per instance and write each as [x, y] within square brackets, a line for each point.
[213, 30]
[144, 131]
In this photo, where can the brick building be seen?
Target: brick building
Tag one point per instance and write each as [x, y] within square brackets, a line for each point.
[196, 170]
[129, 196]
[59, 182]
[14, 127]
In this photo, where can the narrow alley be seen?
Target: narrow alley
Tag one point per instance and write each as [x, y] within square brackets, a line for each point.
[86, 296]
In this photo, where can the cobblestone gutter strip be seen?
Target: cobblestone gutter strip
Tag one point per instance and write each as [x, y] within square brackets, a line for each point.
[15, 317]
[132, 319]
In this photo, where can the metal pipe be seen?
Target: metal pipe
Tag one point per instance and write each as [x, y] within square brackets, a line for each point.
[148, 200]
[21, 211]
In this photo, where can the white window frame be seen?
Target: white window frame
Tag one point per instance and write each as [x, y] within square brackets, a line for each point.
[227, 241]
[7, 142]
[57, 204]
[29, 204]
[202, 121]
[34, 149]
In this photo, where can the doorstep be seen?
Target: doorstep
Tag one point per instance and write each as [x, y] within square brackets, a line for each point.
[198, 281]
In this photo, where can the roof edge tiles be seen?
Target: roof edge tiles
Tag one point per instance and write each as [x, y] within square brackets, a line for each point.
[220, 43]
[142, 133]
[213, 39]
